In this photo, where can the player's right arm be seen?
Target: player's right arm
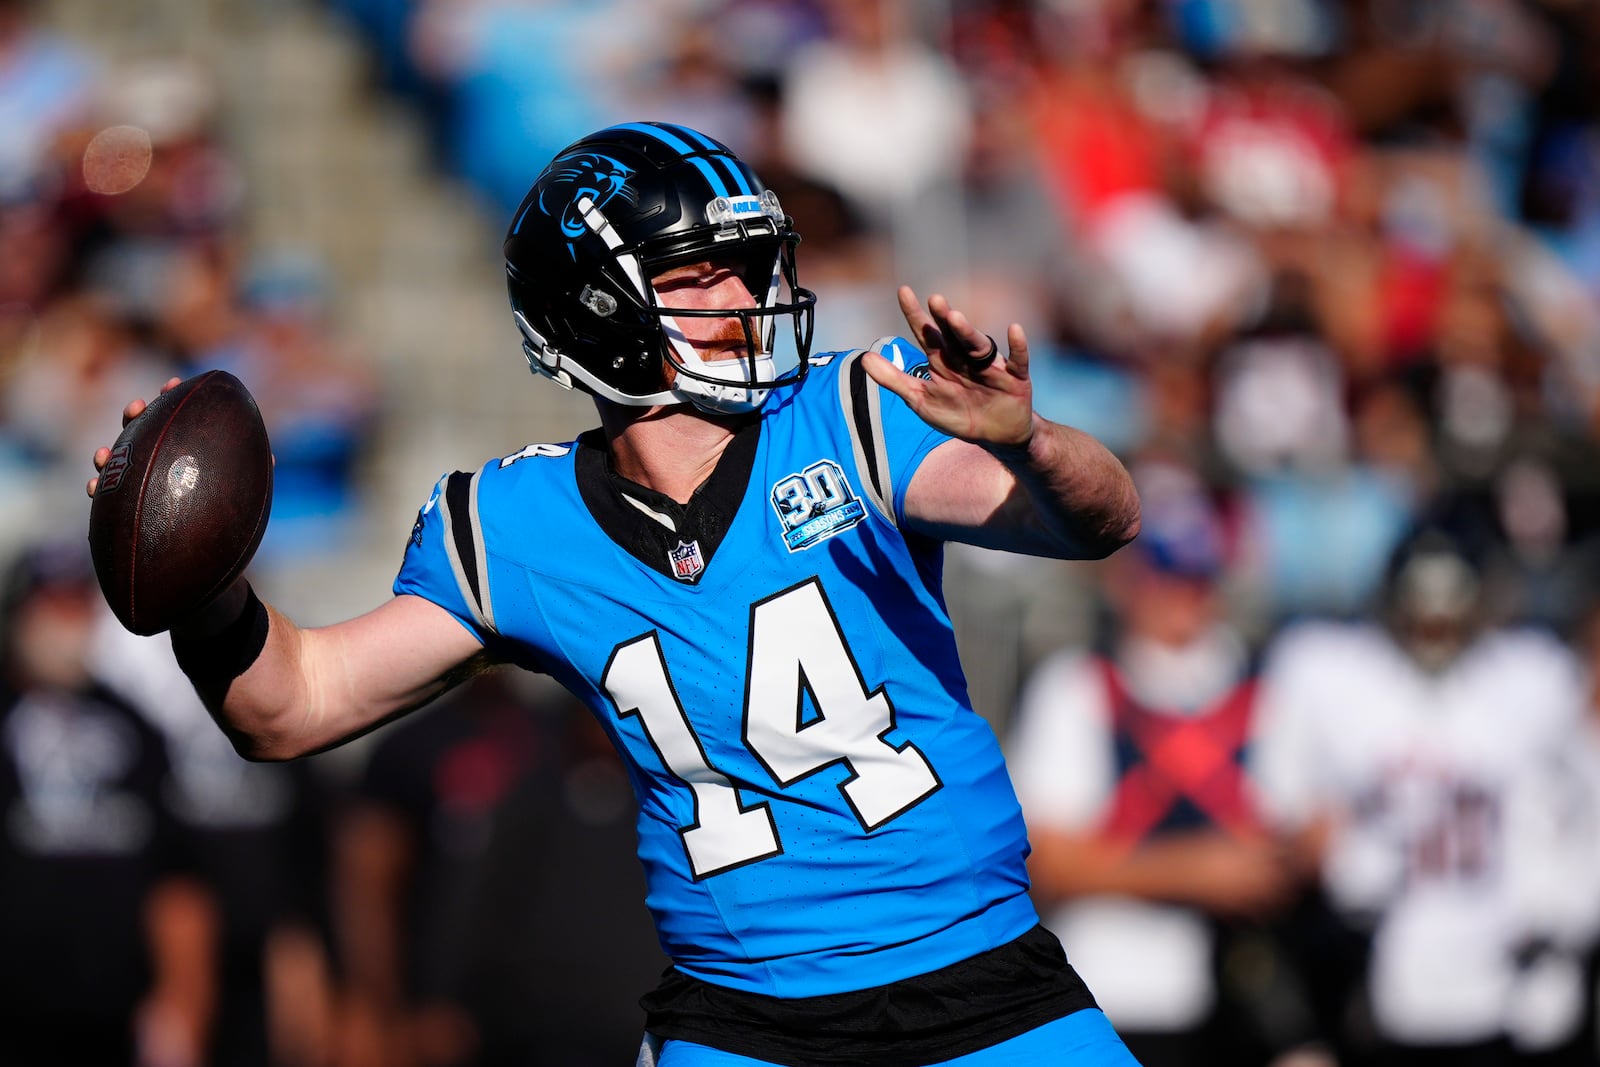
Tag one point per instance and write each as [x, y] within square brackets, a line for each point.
[307, 689]
[314, 687]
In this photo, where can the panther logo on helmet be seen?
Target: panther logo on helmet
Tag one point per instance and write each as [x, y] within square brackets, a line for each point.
[588, 174]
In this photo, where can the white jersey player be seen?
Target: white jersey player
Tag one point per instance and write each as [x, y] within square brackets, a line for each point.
[1444, 779]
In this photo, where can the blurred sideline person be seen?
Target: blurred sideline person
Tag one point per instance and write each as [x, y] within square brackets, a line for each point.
[108, 939]
[1588, 646]
[739, 574]
[1130, 768]
[1435, 769]
[474, 822]
[257, 840]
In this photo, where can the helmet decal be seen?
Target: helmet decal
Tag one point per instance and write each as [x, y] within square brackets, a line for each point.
[587, 175]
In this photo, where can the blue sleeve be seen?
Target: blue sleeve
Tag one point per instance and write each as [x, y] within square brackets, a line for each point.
[907, 439]
[431, 569]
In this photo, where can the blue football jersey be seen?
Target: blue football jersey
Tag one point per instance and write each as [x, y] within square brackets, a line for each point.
[820, 809]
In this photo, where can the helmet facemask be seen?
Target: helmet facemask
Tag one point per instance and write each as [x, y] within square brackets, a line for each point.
[765, 266]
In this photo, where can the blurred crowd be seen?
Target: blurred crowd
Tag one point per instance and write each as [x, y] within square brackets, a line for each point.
[126, 263]
[1310, 769]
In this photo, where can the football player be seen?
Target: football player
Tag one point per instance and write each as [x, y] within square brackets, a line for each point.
[739, 573]
[1434, 770]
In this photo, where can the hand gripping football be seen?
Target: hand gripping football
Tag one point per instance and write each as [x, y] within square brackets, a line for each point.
[182, 503]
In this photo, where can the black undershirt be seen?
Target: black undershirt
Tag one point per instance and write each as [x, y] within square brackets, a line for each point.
[704, 519]
[956, 1010]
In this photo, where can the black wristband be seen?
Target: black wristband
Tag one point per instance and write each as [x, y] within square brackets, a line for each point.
[980, 362]
[214, 661]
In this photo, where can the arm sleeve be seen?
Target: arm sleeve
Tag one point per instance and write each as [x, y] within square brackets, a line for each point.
[890, 439]
[444, 561]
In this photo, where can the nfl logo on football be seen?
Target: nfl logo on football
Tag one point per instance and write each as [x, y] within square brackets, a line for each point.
[687, 562]
[116, 468]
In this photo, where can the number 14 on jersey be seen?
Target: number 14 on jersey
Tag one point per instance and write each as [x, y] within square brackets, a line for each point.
[796, 647]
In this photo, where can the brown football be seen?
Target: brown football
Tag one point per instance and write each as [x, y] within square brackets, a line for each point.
[182, 502]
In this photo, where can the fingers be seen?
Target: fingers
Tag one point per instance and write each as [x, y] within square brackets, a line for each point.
[137, 407]
[949, 338]
[922, 327]
[134, 409]
[980, 362]
[1016, 351]
[888, 375]
[101, 456]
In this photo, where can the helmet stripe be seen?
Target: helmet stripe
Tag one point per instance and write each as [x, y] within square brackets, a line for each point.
[736, 174]
[664, 135]
[706, 143]
[718, 154]
[718, 157]
[718, 186]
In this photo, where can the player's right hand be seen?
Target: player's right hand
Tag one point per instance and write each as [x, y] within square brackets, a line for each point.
[103, 454]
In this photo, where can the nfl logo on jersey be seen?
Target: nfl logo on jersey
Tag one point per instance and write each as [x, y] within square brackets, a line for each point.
[816, 504]
[687, 562]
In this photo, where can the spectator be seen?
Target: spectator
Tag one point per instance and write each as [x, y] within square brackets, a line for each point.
[317, 393]
[1130, 769]
[505, 110]
[108, 936]
[910, 143]
[47, 84]
[256, 838]
[445, 885]
[1109, 145]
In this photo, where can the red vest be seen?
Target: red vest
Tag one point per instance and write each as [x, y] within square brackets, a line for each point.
[1178, 771]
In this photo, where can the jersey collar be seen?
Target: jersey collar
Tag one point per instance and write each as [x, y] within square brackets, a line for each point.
[619, 506]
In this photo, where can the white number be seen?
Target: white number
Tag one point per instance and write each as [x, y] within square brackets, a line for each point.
[528, 452]
[724, 834]
[796, 647]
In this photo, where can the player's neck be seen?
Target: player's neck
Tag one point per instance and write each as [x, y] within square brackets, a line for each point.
[668, 449]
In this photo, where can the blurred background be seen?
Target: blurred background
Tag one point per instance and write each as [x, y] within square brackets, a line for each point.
[1324, 273]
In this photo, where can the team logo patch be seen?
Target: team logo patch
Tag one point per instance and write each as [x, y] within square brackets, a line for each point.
[687, 561]
[816, 504]
[114, 471]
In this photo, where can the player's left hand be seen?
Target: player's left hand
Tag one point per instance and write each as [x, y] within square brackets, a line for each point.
[972, 391]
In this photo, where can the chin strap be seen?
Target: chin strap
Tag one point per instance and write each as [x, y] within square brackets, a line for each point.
[552, 371]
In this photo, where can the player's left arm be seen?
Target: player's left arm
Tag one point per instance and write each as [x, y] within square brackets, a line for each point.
[1011, 479]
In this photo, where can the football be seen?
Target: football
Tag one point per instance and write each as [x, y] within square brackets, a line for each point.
[182, 503]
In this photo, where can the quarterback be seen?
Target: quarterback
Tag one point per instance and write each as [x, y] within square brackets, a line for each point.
[739, 572]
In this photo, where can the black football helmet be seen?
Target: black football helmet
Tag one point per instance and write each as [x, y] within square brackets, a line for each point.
[613, 210]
